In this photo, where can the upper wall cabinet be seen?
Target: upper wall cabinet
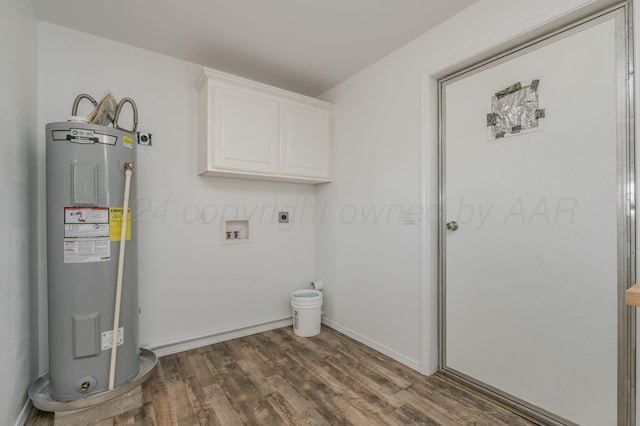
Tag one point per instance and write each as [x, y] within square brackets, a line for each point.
[253, 131]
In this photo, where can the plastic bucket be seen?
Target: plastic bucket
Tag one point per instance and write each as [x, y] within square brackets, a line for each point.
[306, 306]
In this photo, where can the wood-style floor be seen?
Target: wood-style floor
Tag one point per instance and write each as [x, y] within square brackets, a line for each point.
[277, 378]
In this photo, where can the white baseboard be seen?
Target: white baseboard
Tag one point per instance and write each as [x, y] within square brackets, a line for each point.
[402, 359]
[24, 414]
[192, 342]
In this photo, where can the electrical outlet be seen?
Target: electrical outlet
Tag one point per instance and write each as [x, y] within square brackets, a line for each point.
[144, 138]
[202, 216]
[408, 217]
[283, 217]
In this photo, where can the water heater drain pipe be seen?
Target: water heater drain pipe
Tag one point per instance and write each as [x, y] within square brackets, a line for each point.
[123, 237]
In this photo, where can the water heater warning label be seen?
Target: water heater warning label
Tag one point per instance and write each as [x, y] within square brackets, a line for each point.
[85, 250]
[115, 222]
[107, 338]
[86, 215]
[86, 235]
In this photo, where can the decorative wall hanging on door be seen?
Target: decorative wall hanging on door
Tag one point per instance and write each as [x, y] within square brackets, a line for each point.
[514, 109]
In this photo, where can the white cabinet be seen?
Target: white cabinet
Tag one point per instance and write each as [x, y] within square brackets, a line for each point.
[254, 131]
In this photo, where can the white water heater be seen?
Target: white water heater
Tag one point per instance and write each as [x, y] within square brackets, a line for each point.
[85, 189]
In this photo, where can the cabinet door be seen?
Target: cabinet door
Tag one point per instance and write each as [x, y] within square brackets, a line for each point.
[245, 131]
[306, 147]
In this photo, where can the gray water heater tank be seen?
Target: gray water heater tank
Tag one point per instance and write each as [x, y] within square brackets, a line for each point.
[85, 190]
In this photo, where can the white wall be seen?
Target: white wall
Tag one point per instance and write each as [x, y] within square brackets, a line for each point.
[18, 316]
[191, 286]
[380, 274]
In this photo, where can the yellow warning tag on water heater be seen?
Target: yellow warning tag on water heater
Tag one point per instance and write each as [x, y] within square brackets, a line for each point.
[115, 223]
[127, 141]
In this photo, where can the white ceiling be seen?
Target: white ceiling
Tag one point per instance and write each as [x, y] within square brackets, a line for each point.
[305, 46]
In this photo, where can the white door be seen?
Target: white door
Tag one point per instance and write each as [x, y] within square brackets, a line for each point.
[532, 275]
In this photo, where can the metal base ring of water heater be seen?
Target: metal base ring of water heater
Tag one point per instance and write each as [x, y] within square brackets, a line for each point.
[40, 393]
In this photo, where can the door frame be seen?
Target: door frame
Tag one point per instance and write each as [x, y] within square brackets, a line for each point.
[626, 217]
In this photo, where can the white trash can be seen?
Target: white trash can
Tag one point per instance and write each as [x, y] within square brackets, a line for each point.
[307, 309]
